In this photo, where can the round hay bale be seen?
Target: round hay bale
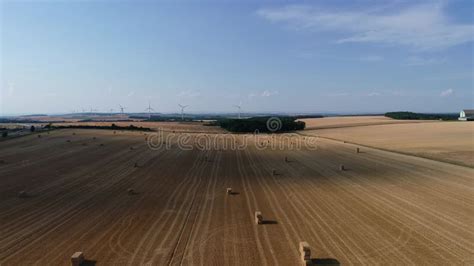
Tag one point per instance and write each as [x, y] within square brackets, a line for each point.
[305, 252]
[258, 217]
[77, 258]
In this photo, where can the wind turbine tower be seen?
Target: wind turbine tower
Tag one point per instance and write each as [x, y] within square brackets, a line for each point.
[122, 108]
[182, 110]
[239, 108]
[149, 109]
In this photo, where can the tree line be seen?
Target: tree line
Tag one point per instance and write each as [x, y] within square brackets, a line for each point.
[284, 124]
[421, 116]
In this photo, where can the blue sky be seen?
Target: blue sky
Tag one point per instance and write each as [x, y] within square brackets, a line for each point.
[272, 56]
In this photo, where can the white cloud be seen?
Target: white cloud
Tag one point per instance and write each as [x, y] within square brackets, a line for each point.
[374, 93]
[423, 26]
[447, 93]
[397, 93]
[267, 93]
[420, 61]
[371, 58]
[189, 94]
[130, 94]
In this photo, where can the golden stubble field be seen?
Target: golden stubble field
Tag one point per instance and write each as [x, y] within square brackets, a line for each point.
[352, 121]
[446, 141]
[386, 208]
[191, 127]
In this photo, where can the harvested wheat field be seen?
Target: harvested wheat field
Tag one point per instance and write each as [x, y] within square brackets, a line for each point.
[352, 121]
[122, 203]
[446, 141]
[190, 127]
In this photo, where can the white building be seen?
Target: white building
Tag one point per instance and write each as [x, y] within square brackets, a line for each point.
[466, 115]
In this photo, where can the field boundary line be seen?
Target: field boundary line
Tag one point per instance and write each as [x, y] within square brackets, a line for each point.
[368, 125]
[391, 151]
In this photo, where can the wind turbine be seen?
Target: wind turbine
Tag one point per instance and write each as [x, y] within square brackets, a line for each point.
[111, 110]
[122, 108]
[94, 111]
[239, 108]
[149, 109]
[182, 110]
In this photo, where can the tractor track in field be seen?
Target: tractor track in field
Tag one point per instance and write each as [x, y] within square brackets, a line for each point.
[163, 218]
[384, 208]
